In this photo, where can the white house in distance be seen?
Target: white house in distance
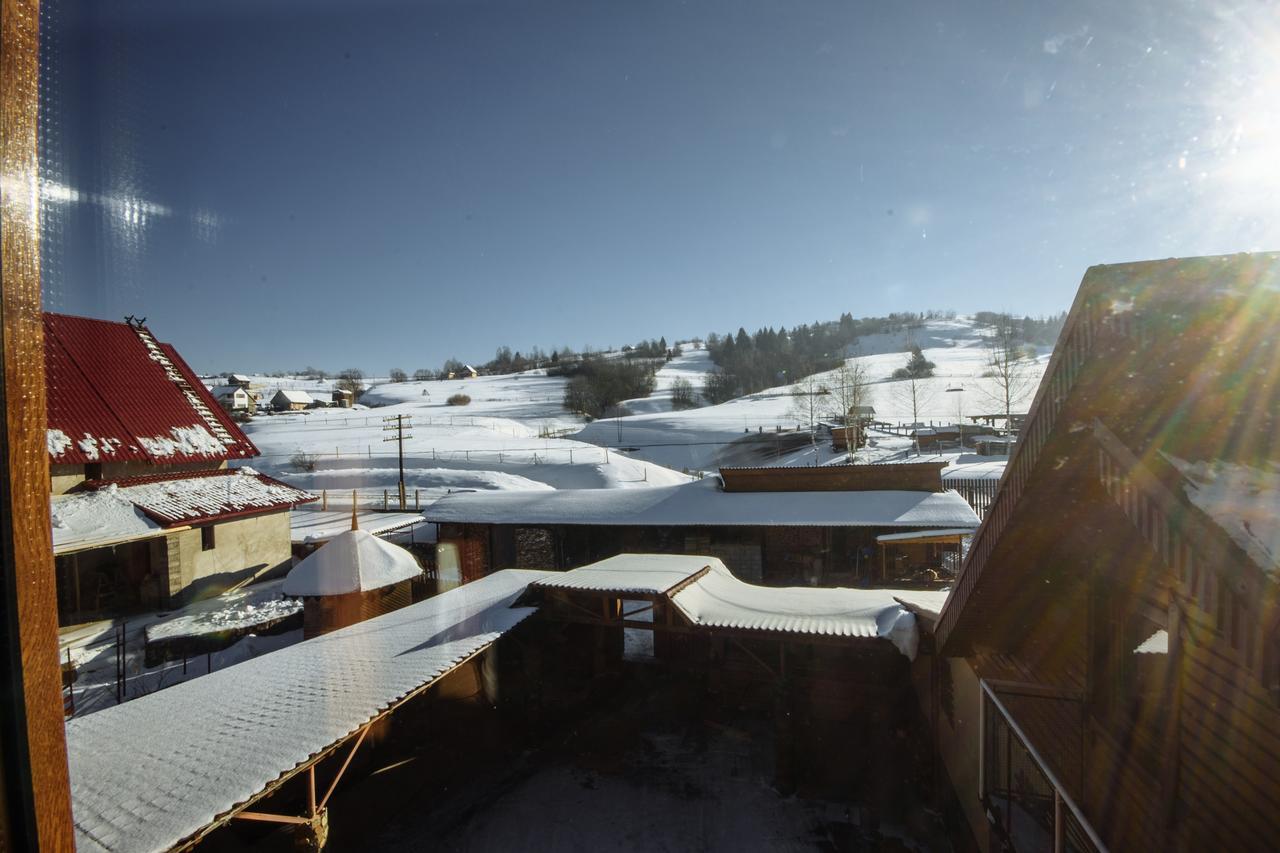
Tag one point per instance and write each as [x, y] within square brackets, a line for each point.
[145, 511]
[290, 400]
[234, 398]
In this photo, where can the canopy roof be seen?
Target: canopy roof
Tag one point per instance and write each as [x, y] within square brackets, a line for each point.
[709, 596]
[703, 503]
[355, 561]
[150, 773]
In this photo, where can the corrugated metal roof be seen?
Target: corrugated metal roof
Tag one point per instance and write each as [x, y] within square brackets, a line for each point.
[630, 574]
[202, 496]
[111, 397]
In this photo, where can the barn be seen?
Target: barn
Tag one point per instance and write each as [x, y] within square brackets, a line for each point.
[1106, 672]
[290, 400]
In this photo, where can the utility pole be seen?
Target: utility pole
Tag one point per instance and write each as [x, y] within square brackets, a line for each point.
[398, 424]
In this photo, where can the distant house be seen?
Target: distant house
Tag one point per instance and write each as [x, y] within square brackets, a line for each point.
[343, 398]
[144, 510]
[239, 379]
[234, 398]
[465, 372]
[862, 415]
[290, 400]
[1106, 672]
[778, 526]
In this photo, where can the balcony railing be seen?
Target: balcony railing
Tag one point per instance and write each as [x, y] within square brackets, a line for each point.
[1028, 807]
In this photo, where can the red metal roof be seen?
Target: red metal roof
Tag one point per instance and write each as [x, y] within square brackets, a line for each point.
[203, 496]
[116, 394]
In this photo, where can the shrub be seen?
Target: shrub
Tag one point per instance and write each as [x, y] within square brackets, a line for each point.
[304, 461]
[458, 400]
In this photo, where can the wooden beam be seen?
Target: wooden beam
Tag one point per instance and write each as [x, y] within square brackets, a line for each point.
[272, 818]
[337, 778]
[34, 758]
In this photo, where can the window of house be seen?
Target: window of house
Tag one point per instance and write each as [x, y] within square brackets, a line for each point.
[207, 538]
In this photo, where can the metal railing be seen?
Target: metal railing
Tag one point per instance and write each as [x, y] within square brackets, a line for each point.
[1025, 801]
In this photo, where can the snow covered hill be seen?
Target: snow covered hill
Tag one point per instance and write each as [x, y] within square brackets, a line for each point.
[703, 438]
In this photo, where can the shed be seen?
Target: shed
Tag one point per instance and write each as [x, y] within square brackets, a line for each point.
[289, 400]
[343, 397]
[353, 577]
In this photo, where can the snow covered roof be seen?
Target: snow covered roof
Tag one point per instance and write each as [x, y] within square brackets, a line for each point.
[355, 561]
[201, 496]
[631, 574]
[220, 391]
[295, 396]
[704, 503]
[87, 520]
[720, 600]
[311, 525]
[1242, 500]
[919, 535]
[117, 394]
[710, 596]
[152, 772]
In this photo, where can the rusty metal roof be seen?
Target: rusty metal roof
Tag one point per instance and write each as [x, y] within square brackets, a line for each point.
[117, 394]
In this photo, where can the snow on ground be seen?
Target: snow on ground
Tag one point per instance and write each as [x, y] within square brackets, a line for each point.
[92, 647]
[238, 610]
[506, 438]
[700, 439]
[691, 366]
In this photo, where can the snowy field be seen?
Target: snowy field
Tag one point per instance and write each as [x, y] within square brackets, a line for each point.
[507, 437]
[515, 433]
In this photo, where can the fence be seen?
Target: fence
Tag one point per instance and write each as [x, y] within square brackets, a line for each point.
[980, 493]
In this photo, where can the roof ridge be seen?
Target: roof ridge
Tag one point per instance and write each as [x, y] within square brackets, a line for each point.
[157, 354]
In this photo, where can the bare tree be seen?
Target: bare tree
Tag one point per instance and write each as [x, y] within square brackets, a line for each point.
[848, 390]
[915, 394]
[398, 375]
[1008, 367]
[352, 380]
[806, 403]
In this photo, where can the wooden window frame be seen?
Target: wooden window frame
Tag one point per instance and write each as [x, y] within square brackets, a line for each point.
[33, 760]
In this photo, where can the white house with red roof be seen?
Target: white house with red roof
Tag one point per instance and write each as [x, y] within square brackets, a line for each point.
[145, 510]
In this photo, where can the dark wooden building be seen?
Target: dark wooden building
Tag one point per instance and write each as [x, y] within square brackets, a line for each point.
[1107, 669]
[778, 526]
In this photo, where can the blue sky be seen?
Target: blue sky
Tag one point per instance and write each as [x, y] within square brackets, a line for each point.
[275, 184]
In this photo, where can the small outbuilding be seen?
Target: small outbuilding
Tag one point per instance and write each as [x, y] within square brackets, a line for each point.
[343, 398]
[354, 577]
[289, 400]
